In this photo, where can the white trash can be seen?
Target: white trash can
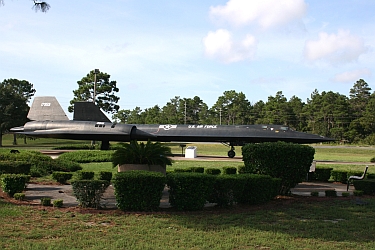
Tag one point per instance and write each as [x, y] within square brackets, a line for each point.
[191, 152]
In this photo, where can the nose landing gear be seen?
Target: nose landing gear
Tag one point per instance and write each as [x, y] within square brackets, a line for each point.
[231, 152]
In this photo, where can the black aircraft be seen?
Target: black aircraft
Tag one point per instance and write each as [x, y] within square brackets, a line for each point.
[48, 120]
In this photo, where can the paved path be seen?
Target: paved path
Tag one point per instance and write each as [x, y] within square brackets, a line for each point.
[35, 192]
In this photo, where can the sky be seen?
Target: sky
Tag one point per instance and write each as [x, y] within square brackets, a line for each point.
[157, 50]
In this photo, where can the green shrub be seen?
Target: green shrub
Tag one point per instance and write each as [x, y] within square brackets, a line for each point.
[331, 193]
[366, 185]
[85, 175]
[322, 173]
[189, 191]
[62, 177]
[89, 192]
[259, 188]
[288, 161]
[314, 193]
[105, 176]
[88, 156]
[19, 196]
[227, 189]
[13, 183]
[213, 171]
[229, 170]
[75, 147]
[196, 169]
[151, 153]
[242, 170]
[58, 203]
[372, 159]
[358, 192]
[345, 194]
[340, 176]
[138, 190]
[45, 201]
[14, 167]
[64, 165]
[182, 170]
[370, 176]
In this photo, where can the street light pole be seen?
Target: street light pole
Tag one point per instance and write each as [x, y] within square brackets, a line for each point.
[96, 71]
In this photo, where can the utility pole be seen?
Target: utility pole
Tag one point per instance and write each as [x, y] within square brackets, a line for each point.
[220, 116]
[96, 71]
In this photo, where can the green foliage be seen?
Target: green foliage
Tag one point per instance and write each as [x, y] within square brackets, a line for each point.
[259, 188]
[45, 201]
[89, 192]
[189, 191]
[288, 161]
[182, 170]
[14, 167]
[340, 176]
[366, 185]
[345, 194]
[370, 176]
[58, 203]
[358, 192]
[330, 193]
[13, 183]
[227, 189]
[196, 170]
[213, 171]
[322, 173]
[229, 170]
[105, 90]
[138, 190]
[141, 153]
[19, 196]
[85, 175]
[314, 193]
[86, 156]
[105, 175]
[62, 177]
[75, 147]
[372, 159]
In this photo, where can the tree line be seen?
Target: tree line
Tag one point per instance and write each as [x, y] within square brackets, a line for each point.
[331, 114]
[347, 118]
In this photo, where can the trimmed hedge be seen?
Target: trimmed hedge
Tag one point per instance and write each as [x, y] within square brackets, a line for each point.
[288, 161]
[259, 189]
[83, 156]
[85, 175]
[229, 170]
[322, 174]
[227, 190]
[89, 192]
[138, 190]
[196, 169]
[14, 167]
[366, 185]
[62, 177]
[340, 176]
[189, 191]
[213, 171]
[105, 175]
[13, 183]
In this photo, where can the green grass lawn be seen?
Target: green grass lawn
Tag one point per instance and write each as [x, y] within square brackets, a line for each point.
[328, 224]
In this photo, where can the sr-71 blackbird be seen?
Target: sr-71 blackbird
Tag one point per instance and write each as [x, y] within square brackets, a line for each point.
[48, 120]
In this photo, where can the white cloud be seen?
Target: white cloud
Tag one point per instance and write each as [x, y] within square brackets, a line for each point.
[265, 13]
[220, 45]
[335, 48]
[351, 76]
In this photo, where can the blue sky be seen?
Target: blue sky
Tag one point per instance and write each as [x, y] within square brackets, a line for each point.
[157, 50]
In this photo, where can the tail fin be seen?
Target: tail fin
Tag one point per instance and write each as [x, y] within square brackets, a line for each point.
[46, 108]
[88, 111]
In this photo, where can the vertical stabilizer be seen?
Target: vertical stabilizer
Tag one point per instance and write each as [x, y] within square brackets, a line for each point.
[88, 111]
[46, 108]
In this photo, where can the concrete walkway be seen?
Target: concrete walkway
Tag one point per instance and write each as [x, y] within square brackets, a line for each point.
[34, 192]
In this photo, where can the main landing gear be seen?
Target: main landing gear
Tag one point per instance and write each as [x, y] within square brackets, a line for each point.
[231, 152]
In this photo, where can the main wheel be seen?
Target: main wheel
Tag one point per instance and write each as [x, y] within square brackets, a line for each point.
[231, 154]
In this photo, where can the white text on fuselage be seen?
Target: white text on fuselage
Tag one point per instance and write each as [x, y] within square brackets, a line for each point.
[202, 126]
